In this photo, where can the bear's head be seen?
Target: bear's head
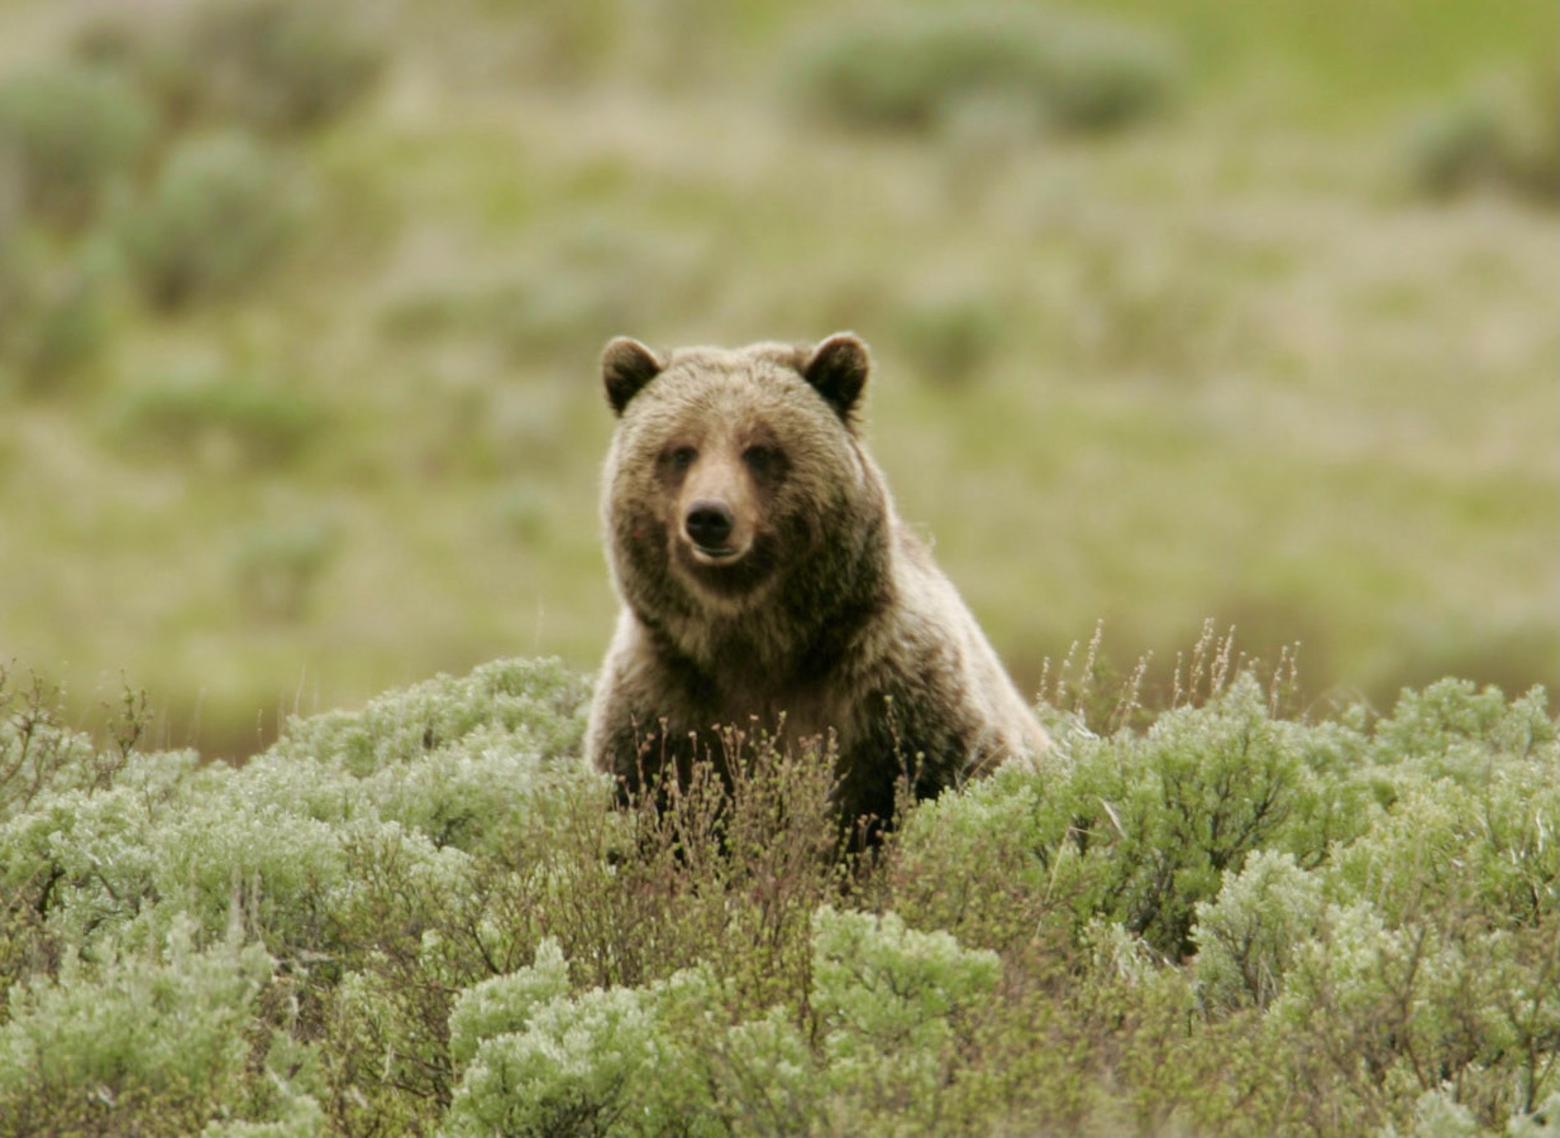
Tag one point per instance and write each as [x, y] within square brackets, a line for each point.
[734, 472]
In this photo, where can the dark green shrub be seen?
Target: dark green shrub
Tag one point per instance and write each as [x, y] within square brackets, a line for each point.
[1455, 146]
[276, 567]
[57, 305]
[221, 422]
[693, 871]
[219, 215]
[1503, 134]
[272, 65]
[568, 41]
[912, 68]
[68, 136]
[150, 1042]
[951, 339]
[283, 64]
[596, 274]
[524, 513]
[146, 49]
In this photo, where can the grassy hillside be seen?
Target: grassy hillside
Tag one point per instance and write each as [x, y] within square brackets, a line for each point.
[428, 917]
[1202, 310]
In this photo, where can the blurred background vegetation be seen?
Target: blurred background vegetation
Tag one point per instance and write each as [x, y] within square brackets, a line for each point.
[1182, 309]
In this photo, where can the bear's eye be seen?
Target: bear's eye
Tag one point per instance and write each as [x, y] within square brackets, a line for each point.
[762, 460]
[681, 458]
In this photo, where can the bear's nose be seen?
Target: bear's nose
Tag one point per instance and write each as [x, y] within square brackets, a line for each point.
[709, 524]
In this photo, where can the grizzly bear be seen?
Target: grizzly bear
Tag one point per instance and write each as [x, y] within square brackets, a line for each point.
[766, 579]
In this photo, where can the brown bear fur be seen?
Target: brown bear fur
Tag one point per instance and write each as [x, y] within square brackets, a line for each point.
[811, 610]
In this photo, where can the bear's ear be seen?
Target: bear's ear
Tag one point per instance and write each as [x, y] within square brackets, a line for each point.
[838, 371]
[626, 366]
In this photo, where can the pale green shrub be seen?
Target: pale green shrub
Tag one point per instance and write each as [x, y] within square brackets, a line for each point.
[537, 702]
[1202, 789]
[285, 844]
[78, 866]
[1487, 849]
[136, 855]
[487, 793]
[469, 931]
[504, 1004]
[395, 942]
[386, 1066]
[1246, 936]
[1137, 829]
[1544, 1122]
[766, 1076]
[359, 883]
[981, 863]
[1335, 1012]
[227, 857]
[152, 1041]
[297, 1116]
[1454, 730]
[891, 1007]
[1437, 1113]
[878, 986]
[1376, 1016]
[606, 1061]
[38, 753]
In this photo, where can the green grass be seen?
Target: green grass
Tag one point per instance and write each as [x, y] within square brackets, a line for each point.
[1337, 62]
[1223, 363]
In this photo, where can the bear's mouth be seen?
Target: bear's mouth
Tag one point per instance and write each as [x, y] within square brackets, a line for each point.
[716, 554]
[727, 570]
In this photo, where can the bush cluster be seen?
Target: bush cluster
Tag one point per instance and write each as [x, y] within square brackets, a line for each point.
[69, 136]
[916, 69]
[219, 420]
[219, 213]
[158, 161]
[428, 916]
[277, 66]
[56, 310]
[1502, 134]
[73, 141]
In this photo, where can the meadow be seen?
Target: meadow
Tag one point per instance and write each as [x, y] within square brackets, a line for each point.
[1180, 312]
[1188, 316]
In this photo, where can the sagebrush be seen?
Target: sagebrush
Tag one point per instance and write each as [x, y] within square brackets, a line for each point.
[430, 916]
